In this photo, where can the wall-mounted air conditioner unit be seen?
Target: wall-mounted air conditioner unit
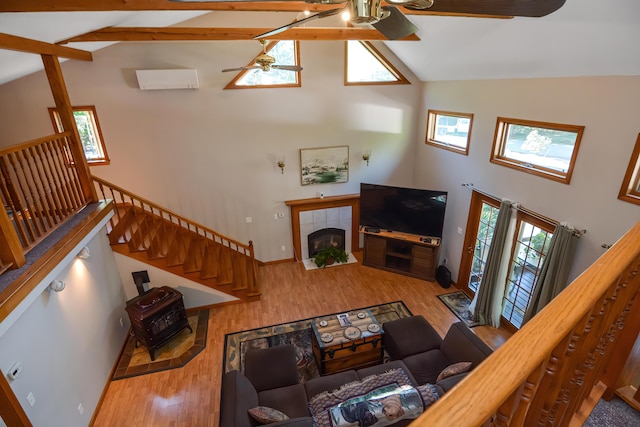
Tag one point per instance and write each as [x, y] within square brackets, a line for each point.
[167, 79]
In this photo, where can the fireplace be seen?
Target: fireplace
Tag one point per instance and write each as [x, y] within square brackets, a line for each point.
[309, 215]
[326, 237]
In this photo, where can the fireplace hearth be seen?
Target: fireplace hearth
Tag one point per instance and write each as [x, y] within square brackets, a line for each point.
[325, 237]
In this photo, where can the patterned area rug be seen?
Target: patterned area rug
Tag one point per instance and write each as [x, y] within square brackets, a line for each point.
[298, 333]
[458, 302]
[174, 354]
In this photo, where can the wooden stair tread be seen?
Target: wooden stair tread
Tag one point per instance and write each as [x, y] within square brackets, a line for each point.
[164, 244]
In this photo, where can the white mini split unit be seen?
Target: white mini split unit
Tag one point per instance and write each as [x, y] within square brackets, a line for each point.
[167, 79]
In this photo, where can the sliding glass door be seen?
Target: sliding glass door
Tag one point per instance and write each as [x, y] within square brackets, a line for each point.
[480, 227]
[530, 242]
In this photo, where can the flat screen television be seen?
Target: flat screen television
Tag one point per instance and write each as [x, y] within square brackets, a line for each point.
[406, 210]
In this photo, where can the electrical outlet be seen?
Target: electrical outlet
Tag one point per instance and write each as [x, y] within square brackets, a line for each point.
[283, 247]
[248, 219]
[31, 399]
[121, 323]
[81, 409]
[275, 216]
[460, 231]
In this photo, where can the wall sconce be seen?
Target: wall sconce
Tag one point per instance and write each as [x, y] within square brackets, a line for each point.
[366, 155]
[84, 253]
[281, 164]
[57, 285]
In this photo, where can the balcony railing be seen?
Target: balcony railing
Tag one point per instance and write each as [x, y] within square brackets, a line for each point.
[40, 188]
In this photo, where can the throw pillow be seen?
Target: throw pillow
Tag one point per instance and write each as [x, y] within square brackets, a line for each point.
[266, 415]
[454, 369]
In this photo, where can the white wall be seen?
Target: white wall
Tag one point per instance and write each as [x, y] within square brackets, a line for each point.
[210, 154]
[68, 341]
[193, 294]
[606, 106]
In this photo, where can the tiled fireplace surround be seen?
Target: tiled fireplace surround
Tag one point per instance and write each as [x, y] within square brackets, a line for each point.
[309, 215]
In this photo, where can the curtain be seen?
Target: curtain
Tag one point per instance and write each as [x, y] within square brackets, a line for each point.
[490, 295]
[554, 272]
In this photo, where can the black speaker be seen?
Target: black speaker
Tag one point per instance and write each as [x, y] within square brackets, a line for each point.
[443, 276]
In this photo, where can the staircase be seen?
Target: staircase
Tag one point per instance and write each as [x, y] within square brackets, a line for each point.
[156, 236]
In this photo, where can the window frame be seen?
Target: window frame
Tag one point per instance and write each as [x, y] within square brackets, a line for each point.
[296, 47]
[499, 145]
[630, 188]
[58, 128]
[401, 79]
[431, 139]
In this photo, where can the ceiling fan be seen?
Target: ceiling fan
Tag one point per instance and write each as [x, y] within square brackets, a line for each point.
[265, 62]
[392, 23]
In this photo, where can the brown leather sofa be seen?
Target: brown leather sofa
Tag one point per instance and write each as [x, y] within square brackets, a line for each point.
[271, 379]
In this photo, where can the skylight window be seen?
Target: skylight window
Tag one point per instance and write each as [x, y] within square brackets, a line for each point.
[366, 65]
[286, 52]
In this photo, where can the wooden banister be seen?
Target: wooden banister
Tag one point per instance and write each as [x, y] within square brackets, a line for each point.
[545, 371]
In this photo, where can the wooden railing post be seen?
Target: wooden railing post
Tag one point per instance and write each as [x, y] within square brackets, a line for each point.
[11, 251]
[63, 105]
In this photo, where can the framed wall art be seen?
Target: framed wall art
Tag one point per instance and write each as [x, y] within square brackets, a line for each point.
[324, 165]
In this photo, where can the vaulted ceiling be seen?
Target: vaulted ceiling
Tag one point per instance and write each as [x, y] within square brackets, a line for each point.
[582, 38]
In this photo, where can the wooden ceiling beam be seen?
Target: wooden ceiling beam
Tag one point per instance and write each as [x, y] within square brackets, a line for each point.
[141, 5]
[21, 44]
[136, 34]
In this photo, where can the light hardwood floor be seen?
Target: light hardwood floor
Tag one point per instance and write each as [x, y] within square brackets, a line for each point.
[190, 396]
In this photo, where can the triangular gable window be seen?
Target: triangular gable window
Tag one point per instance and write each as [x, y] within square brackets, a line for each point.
[365, 65]
[286, 52]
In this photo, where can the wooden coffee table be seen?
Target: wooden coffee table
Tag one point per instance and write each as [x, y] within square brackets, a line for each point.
[345, 341]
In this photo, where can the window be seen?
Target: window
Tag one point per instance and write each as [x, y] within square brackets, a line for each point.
[451, 131]
[286, 52]
[530, 246]
[630, 189]
[89, 130]
[544, 149]
[365, 65]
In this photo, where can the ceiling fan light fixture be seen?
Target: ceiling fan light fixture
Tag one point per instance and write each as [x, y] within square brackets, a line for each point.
[365, 11]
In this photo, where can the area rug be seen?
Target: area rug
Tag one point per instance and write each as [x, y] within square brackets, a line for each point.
[298, 333]
[458, 302]
[174, 354]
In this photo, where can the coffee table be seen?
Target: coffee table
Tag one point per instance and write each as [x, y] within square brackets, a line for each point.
[345, 341]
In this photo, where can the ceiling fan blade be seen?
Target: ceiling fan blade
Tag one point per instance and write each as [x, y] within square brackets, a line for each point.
[322, 14]
[412, 4]
[396, 25]
[240, 68]
[287, 67]
[530, 8]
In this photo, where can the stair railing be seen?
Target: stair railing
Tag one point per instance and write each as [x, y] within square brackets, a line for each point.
[40, 189]
[544, 373]
[124, 197]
